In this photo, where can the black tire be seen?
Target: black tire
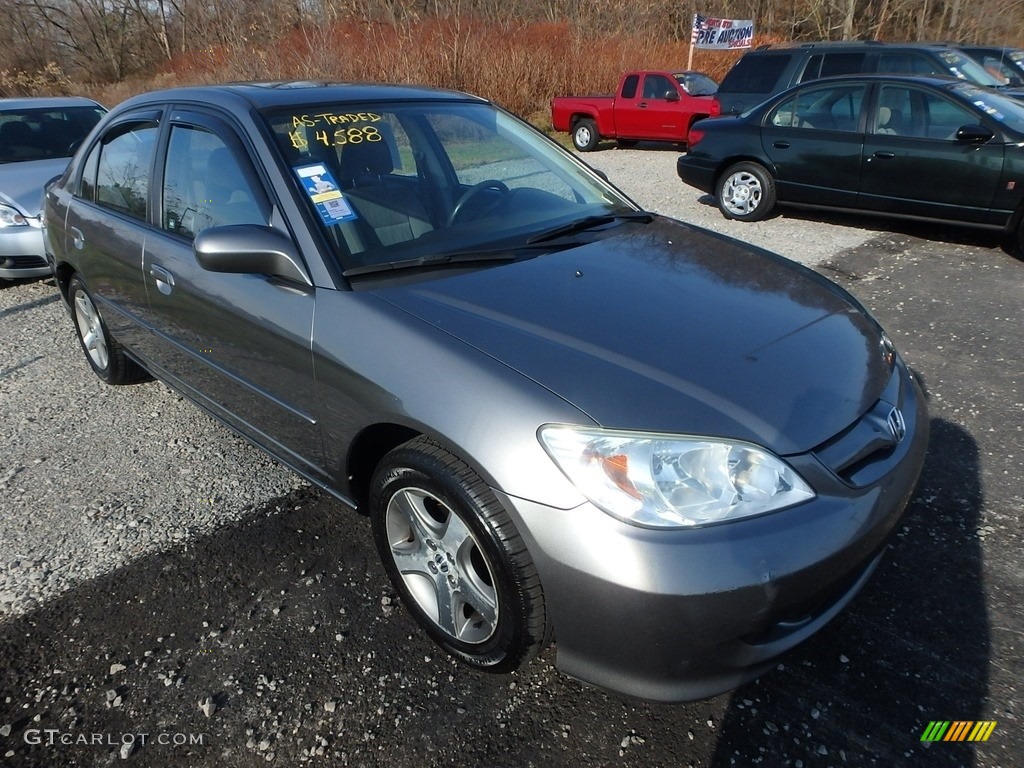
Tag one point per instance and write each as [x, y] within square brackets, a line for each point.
[584, 134]
[1013, 243]
[746, 192]
[458, 548]
[102, 351]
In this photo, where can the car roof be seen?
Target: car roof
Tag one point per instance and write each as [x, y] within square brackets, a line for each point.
[937, 81]
[979, 46]
[269, 95]
[41, 102]
[797, 45]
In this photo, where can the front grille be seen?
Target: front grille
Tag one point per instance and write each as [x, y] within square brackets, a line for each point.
[859, 453]
[22, 262]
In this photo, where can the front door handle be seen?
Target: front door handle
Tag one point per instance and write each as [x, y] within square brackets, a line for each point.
[77, 238]
[642, 105]
[164, 279]
[885, 155]
[781, 145]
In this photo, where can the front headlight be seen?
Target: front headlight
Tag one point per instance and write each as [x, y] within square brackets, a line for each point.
[11, 217]
[669, 481]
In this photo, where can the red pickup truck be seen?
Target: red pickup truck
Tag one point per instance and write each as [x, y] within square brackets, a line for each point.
[648, 106]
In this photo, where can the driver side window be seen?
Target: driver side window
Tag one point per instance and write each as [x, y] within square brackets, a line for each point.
[656, 86]
[204, 185]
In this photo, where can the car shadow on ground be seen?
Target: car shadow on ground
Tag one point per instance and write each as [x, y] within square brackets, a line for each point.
[647, 146]
[921, 230]
[913, 648]
[286, 623]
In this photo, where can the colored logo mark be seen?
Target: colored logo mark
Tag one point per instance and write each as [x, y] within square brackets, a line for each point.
[958, 730]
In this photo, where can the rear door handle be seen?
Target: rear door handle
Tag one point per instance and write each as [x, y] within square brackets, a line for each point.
[164, 279]
[642, 105]
[885, 155]
[781, 145]
[77, 238]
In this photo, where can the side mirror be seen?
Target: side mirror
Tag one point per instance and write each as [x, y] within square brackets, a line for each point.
[671, 95]
[249, 249]
[973, 134]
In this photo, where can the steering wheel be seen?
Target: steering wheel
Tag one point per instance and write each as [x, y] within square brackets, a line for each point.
[474, 191]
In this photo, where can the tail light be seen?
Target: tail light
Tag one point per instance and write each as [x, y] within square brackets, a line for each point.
[696, 134]
[716, 108]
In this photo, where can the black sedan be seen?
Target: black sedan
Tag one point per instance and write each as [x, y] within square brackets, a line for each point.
[915, 147]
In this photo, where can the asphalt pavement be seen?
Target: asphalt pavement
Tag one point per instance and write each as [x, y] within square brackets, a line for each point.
[277, 639]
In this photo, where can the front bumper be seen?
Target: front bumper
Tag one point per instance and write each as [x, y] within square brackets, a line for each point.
[681, 615]
[22, 253]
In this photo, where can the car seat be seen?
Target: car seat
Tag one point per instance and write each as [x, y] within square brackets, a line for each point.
[391, 205]
[227, 197]
[890, 121]
[17, 140]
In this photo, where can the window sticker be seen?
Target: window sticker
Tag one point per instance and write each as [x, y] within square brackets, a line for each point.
[989, 110]
[324, 192]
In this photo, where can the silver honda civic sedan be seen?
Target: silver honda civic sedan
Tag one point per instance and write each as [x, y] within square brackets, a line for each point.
[567, 419]
[38, 136]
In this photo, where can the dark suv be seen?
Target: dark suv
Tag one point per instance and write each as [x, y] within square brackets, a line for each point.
[771, 69]
[1006, 63]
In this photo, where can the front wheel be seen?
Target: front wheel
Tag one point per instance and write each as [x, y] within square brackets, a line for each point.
[105, 355]
[584, 135]
[453, 554]
[746, 192]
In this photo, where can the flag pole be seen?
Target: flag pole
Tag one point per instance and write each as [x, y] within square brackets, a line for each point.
[693, 27]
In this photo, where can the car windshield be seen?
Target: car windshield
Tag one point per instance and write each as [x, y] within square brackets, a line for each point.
[393, 183]
[41, 133]
[1007, 111]
[966, 68]
[697, 83]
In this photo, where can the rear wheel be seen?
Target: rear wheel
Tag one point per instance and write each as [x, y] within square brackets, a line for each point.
[746, 191]
[455, 557]
[584, 135]
[105, 355]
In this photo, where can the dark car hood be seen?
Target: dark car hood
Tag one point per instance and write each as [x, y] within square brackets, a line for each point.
[22, 183]
[669, 328]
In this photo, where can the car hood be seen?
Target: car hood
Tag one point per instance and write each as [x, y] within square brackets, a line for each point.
[669, 328]
[21, 184]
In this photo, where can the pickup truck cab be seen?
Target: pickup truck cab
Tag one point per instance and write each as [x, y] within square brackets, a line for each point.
[648, 106]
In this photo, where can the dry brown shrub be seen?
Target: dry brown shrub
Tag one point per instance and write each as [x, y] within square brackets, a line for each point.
[520, 66]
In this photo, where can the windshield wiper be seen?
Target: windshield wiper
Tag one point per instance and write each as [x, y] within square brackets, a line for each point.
[435, 260]
[589, 222]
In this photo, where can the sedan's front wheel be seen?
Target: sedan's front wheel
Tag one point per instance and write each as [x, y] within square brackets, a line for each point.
[455, 557]
[746, 191]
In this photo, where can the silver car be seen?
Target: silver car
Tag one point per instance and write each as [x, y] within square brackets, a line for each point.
[565, 417]
[37, 139]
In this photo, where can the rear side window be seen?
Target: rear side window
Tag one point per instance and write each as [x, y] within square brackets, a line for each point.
[833, 108]
[629, 86]
[833, 64]
[909, 63]
[755, 74]
[121, 164]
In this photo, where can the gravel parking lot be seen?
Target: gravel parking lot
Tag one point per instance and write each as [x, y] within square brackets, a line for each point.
[160, 576]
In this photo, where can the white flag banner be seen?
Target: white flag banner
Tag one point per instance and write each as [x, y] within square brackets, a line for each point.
[721, 34]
